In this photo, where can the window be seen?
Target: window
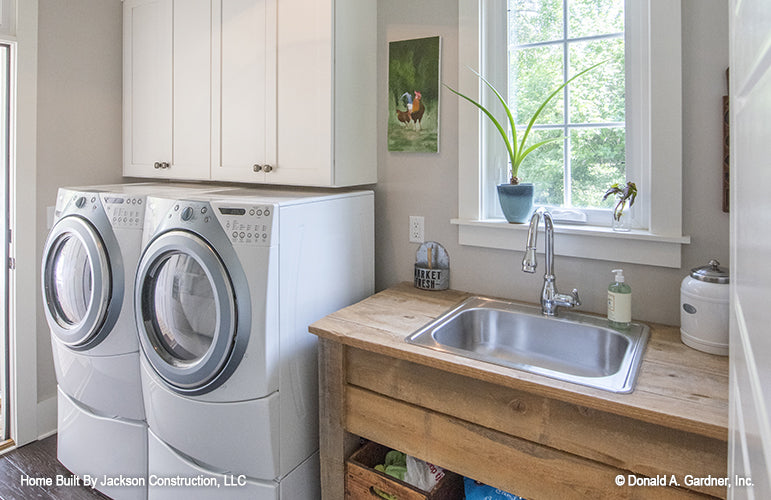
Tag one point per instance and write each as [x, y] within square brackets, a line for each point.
[605, 143]
[548, 42]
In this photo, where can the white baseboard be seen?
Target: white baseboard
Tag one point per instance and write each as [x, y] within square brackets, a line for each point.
[46, 417]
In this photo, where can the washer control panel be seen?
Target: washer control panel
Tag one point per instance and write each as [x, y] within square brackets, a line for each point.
[124, 211]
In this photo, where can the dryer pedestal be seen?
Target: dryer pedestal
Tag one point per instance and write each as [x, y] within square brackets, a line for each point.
[175, 476]
[242, 437]
[110, 450]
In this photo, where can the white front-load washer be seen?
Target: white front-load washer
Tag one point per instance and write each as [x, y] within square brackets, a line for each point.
[226, 288]
[88, 270]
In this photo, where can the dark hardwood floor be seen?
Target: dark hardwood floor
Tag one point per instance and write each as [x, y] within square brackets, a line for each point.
[22, 468]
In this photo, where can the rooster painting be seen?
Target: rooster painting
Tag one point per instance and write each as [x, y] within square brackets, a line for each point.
[407, 100]
[417, 109]
[413, 84]
[414, 112]
[405, 116]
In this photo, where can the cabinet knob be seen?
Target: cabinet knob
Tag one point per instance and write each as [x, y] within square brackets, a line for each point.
[267, 168]
[157, 164]
[257, 168]
[165, 164]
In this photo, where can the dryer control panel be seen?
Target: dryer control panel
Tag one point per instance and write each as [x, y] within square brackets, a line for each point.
[249, 225]
[124, 211]
[243, 223]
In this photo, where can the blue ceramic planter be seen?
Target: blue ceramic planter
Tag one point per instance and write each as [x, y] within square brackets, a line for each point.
[516, 201]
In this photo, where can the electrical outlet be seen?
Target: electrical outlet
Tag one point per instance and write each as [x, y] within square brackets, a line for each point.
[417, 230]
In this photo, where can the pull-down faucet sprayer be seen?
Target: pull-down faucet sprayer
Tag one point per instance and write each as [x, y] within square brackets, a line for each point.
[550, 297]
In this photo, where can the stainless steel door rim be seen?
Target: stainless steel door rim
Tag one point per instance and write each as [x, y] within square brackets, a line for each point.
[81, 310]
[167, 343]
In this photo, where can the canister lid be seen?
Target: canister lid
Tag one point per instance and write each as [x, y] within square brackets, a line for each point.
[711, 273]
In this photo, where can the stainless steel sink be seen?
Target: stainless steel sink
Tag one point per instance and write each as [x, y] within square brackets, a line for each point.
[573, 347]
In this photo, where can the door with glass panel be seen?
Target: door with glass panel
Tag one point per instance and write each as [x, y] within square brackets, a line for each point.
[5, 158]
[186, 311]
[77, 283]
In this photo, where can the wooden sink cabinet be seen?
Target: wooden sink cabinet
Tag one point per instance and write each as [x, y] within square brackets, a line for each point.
[533, 436]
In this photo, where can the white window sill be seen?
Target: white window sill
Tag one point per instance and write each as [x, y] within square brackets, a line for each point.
[584, 241]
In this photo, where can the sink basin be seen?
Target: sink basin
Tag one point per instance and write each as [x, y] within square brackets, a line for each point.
[573, 347]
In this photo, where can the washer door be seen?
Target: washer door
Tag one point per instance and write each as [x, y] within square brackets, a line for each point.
[186, 311]
[77, 283]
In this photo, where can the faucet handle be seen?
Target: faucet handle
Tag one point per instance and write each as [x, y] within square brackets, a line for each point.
[576, 299]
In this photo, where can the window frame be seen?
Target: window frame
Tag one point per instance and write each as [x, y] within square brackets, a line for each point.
[656, 98]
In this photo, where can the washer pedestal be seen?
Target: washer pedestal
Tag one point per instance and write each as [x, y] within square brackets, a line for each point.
[111, 451]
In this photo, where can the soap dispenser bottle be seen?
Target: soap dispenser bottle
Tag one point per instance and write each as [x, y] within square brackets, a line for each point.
[619, 301]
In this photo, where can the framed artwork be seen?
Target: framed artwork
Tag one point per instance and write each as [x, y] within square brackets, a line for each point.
[413, 95]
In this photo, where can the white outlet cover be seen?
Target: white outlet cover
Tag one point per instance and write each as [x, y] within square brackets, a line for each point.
[417, 229]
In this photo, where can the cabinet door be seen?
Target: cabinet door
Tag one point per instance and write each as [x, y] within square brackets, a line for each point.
[244, 129]
[167, 88]
[147, 85]
[192, 101]
[305, 97]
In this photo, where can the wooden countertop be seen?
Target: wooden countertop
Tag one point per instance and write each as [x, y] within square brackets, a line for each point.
[678, 387]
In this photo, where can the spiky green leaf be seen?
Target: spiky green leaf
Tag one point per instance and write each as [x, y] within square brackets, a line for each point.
[492, 118]
[512, 124]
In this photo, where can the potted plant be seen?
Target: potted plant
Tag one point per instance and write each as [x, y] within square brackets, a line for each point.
[623, 195]
[516, 198]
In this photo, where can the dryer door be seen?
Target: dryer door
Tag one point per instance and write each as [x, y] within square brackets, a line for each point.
[77, 283]
[186, 311]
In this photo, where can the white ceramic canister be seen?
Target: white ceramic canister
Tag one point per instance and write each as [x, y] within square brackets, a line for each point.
[704, 309]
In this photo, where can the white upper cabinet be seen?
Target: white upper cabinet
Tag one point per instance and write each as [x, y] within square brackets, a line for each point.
[192, 89]
[166, 88]
[259, 91]
[327, 103]
[146, 85]
[244, 133]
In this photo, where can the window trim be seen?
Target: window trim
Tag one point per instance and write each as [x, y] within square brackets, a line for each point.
[660, 95]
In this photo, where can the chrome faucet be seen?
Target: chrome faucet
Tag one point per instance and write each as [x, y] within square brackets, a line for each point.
[551, 299]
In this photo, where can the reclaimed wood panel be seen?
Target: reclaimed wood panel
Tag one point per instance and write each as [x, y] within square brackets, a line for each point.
[335, 444]
[513, 464]
[623, 442]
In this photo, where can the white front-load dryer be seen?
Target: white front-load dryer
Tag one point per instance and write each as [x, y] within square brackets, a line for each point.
[88, 270]
[226, 288]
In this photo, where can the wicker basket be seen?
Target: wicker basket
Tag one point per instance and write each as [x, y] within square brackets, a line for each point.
[361, 479]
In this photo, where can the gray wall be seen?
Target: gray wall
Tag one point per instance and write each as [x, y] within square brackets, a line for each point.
[79, 118]
[403, 178]
[79, 142]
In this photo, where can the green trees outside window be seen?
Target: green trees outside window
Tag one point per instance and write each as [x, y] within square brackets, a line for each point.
[548, 40]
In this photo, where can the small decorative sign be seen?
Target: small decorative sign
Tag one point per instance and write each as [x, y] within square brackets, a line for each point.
[432, 267]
